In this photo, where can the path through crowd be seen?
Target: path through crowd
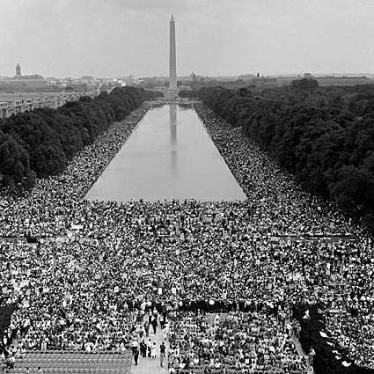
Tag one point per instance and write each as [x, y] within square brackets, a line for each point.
[301, 352]
[147, 365]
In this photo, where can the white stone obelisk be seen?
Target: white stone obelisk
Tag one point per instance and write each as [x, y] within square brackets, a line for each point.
[173, 57]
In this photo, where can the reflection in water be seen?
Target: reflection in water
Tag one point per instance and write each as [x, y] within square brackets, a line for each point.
[173, 138]
[173, 123]
[160, 161]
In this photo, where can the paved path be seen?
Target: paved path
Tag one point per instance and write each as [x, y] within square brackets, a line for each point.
[298, 346]
[152, 366]
[301, 352]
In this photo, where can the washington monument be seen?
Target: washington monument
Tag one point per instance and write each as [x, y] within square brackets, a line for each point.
[173, 62]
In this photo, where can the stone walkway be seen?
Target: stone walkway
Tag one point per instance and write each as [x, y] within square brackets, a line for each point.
[147, 365]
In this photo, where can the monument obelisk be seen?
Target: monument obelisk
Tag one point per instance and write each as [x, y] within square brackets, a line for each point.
[173, 58]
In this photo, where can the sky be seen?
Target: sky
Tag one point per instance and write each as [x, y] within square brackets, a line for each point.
[111, 38]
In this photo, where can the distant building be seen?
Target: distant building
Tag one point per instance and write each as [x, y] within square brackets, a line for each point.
[109, 84]
[119, 82]
[130, 80]
[52, 81]
[327, 81]
[342, 81]
[172, 61]
[23, 82]
[264, 81]
[194, 78]
[247, 77]
[14, 105]
[287, 79]
[29, 81]
[88, 80]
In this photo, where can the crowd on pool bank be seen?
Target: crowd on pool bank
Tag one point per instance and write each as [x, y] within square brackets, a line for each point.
[94, 264]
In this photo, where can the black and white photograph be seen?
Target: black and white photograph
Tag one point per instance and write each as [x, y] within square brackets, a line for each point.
[187, 187]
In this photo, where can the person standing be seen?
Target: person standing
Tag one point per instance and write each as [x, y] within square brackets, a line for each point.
[146, 328]
[154, 323]
[154, 351]
[135, 351]
[143, 349]
[162, 353]
[163, 319]
[149, 347]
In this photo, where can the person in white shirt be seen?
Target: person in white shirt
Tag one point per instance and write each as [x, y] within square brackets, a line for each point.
[153, 351]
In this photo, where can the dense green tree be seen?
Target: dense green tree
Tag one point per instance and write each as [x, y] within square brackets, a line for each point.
[15, 169]
[324, 136]
[42, 141]
[305, 84]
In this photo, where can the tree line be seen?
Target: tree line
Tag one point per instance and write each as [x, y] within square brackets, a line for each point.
[39, 143]
[324, 136]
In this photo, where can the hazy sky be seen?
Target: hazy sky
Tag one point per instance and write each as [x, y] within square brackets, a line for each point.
[107, 38]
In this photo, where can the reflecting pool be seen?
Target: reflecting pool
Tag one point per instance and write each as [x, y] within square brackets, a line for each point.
[168, 156]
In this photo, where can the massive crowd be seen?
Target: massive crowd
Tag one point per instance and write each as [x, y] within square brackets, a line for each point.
[248, 342]
[93, 263]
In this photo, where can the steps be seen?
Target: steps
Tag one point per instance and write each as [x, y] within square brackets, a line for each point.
[73, 362]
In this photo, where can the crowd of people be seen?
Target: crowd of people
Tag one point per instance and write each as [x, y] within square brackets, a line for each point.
[77, 269]
[354, 335]
[247, 342]
[143, 335]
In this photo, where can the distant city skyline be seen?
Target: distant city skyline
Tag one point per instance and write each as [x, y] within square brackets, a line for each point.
[70, 38]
